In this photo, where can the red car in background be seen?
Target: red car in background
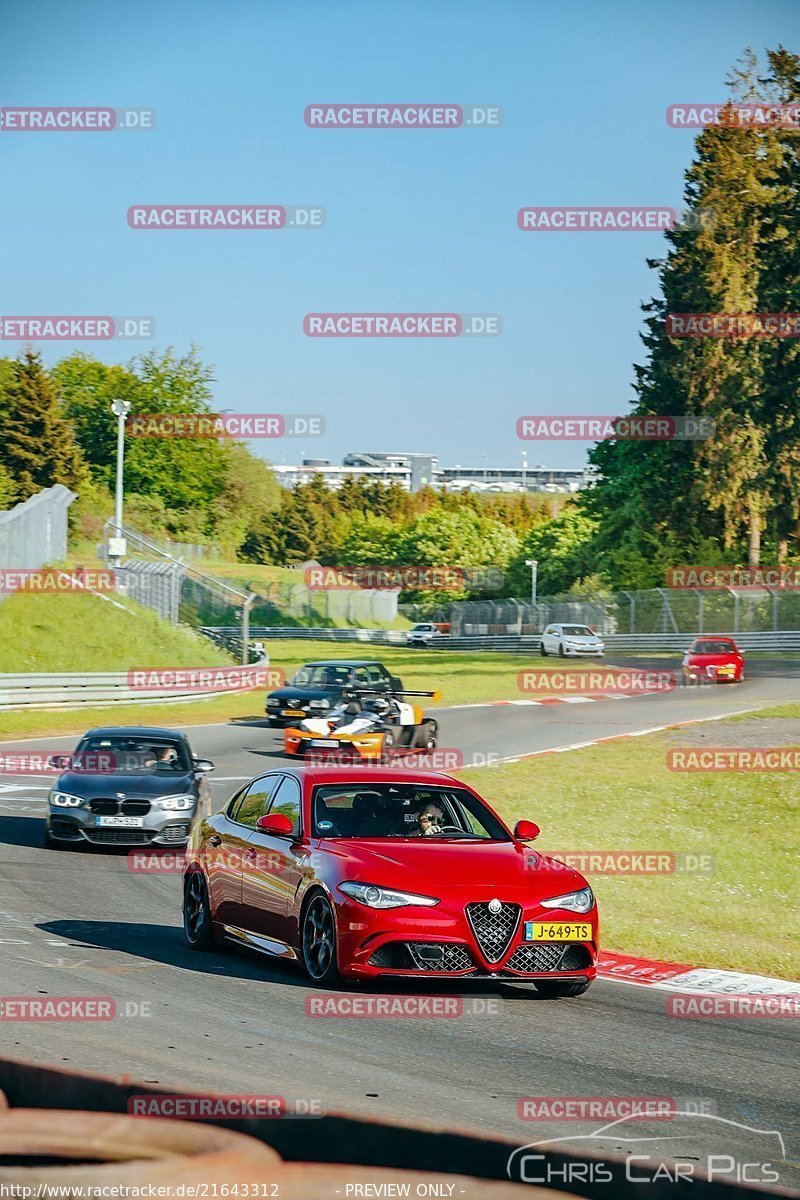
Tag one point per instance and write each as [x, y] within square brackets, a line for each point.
[361, 872]
[713, 660]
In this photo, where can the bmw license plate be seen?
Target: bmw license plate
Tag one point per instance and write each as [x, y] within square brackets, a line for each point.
[558, 931]
[324, 742]
[127, 822]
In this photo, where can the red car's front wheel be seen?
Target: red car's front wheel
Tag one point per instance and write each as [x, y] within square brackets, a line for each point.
[319, 940]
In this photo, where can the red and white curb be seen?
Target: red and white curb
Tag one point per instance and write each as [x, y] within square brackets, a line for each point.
[680, 977]
[548, 699]
[613, 737]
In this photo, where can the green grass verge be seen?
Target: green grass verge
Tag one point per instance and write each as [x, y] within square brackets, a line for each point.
[77, 632]
[620, 795]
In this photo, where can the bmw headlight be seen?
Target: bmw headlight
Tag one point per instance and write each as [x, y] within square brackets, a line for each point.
[65, 800]
[579, 902]
[380, 897]
[174, 802]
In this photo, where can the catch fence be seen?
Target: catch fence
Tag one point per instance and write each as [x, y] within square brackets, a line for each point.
[651, 611]
[34, 533]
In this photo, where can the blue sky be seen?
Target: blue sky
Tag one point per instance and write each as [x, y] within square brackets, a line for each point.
[416, 221]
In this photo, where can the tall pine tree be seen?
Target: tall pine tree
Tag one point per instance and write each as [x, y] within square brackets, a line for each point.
[37, 446]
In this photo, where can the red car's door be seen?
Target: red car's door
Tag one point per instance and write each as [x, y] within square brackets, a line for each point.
[273, 870]
[225, 847]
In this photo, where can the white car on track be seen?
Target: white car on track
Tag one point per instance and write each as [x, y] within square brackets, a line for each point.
[569, 641]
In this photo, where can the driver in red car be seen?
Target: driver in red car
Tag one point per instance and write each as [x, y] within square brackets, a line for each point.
[431, 820]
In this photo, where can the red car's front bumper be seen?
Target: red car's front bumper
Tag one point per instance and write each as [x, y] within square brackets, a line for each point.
[442, 942]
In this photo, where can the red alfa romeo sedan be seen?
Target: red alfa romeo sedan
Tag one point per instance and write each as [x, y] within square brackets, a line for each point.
[713, 660]
[366, 872]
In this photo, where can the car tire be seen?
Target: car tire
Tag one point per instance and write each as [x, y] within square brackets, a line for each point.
[428, 735]
[555, 989]
[197, 912]
[542, 650]
[318, 941]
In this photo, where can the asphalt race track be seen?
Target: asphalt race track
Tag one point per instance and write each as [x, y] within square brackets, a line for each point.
[82, 924]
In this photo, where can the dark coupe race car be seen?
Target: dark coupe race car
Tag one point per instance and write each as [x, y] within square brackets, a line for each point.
[713, 660]
[320, 686]
[364, 872]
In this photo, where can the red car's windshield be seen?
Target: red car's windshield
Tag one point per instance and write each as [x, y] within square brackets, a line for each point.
[713, 648]
[383, 810]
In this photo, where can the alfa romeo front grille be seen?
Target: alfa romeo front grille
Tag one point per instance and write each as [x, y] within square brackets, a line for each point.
[549, 956]
[493, 930]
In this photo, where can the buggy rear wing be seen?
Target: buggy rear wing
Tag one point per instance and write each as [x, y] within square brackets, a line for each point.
[367, 691]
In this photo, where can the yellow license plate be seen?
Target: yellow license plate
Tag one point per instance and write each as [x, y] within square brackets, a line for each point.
[558, 931]
[291, 712]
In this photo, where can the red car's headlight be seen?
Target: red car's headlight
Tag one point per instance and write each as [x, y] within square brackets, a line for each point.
[579, 902]
[373, 896]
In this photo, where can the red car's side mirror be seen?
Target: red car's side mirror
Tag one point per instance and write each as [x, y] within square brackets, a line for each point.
[276, 823]
[526, 831]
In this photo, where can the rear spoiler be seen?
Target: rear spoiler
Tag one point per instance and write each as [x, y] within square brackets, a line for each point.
[364, 691]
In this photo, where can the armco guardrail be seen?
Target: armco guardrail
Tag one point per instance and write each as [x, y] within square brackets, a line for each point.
[621, 643]
[57, 690]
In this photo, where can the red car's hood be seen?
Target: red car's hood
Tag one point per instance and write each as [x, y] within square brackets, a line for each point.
[432, 866]
[714, 660]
